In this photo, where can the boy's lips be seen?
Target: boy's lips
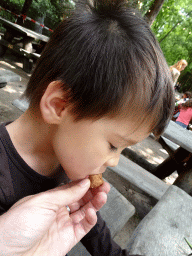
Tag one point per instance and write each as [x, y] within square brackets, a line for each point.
[100, 172]
[96, 173]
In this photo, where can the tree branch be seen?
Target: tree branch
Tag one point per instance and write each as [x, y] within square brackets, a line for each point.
[24, 11]
[153, 11]
[174, 27]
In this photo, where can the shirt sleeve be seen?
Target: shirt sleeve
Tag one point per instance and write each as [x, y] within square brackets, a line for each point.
[99, 242]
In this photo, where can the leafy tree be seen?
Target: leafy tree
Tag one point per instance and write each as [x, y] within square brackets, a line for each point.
[173, 29]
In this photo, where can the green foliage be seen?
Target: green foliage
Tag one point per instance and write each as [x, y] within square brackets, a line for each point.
[52, 11]
[16, 6]
[144, 5]
[176, 17]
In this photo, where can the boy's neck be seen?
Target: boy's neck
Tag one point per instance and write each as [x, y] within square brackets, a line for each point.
[32, 138]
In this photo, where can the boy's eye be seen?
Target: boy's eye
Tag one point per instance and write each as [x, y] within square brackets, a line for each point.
[113, 148]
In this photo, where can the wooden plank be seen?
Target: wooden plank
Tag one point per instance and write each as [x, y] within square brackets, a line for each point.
[179, 136]
[139, 177]
[117, 211]
[24, 31]
[162, 231]
[20, 50]
[12, 47]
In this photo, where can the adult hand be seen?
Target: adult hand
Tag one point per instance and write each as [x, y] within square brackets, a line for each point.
[41, 224]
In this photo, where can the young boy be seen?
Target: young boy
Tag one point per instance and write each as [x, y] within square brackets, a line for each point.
[101, 84]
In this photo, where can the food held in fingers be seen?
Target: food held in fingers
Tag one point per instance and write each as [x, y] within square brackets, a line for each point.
[96, 180]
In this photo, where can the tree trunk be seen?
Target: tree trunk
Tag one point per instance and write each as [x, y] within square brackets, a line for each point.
[38, 28]
[24, 11]
[153, 11]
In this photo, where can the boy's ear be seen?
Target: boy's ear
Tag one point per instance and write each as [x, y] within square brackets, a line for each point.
[53, 103]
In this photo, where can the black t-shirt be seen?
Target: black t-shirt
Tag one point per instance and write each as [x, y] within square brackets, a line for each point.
[18, 180]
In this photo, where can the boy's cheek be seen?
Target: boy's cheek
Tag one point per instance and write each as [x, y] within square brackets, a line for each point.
[82, 173]
[76, 175]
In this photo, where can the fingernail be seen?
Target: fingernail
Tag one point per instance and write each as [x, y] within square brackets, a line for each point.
[84, 183]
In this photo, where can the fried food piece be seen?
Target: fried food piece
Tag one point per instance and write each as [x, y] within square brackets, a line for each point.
[96, 180]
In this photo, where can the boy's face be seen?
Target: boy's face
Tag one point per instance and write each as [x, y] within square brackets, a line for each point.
[87, 147]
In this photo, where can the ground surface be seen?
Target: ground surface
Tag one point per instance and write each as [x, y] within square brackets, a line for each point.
[149, 149]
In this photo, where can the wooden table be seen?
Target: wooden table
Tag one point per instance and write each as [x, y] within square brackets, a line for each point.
[179, 136]
[180, 159]
[26, 36]
[163, 230]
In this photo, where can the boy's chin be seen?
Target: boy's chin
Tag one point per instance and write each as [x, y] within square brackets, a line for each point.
[78, 178]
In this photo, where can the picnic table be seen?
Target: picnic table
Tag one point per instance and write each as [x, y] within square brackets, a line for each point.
[180, 157]
[27, 37]
[165, 230]
[179, 135]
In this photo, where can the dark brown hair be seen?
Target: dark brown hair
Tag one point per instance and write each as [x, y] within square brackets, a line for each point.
[187, 104]
[188, 94]
[107, 59]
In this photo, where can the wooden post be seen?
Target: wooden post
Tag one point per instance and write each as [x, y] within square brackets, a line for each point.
[153, 11]
[173, 163]
[184, 181]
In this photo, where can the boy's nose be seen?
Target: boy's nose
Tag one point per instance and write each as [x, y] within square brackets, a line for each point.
[112, 162]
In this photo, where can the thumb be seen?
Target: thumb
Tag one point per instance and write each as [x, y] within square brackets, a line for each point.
[65, 194]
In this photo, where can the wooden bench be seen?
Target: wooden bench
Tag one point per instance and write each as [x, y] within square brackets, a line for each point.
[28, 57]
[28, 60]
[116, 212]
[163, 231]
[179, 136]
[15, 34]
[168, 145]
[139, 177]
[180, 160]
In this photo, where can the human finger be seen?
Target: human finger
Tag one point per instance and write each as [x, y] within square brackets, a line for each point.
[96, 204]
[86, 224]
[63, 195]
[105, 187]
